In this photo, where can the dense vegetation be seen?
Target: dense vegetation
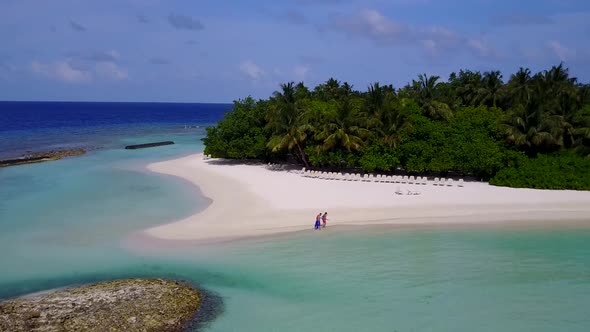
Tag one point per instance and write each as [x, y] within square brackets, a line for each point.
[532, 131]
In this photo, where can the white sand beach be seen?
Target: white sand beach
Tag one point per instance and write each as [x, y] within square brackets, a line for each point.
[253, 199]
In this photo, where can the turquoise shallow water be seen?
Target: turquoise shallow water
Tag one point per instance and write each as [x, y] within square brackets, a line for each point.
[402, 280]
[64, 222]
[70, 215]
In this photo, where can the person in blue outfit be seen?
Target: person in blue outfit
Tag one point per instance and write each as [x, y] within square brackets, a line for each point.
[318, 218]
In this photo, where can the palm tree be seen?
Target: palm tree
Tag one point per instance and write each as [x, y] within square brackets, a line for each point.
[301, 91]
[342, 127]
[346, 90]
[520, 87]
[492, 86]
[375, 98]
[569, 121]
[395, 123]
[551, 83]
[469, 85]
[287, 121]
[374, 105]
[426, 86]
[332, 87]
[329, 90]
[528, 129]
[426, 90]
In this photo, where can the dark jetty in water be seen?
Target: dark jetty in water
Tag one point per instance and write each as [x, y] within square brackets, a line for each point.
[39, 157]
[148, 145]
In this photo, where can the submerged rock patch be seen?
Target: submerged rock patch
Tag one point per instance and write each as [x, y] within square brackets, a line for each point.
[119, 305]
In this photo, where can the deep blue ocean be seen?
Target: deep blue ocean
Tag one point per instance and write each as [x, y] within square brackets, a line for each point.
[67, 222]
[31, 126]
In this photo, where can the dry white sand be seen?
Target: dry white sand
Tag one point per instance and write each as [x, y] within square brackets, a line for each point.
[253, 199]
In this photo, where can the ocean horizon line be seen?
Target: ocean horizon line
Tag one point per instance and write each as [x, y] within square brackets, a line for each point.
[112, 102]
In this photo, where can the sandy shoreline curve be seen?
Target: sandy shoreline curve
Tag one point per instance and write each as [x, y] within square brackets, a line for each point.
[252, 199]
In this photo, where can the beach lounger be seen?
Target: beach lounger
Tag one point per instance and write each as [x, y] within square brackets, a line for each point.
[405, 179]
[398, 191]
[435, 182]
[411, 180]
[460, 184]
[442, 182]
[449, 182]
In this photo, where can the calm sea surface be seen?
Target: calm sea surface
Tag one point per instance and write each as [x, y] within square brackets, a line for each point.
[66, 222]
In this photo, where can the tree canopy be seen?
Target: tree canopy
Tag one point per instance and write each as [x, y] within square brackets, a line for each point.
[473, 124]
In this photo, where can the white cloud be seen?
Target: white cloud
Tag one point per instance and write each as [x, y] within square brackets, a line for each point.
[300, 72]
[110, 70]
[372, 24]
[481, 48]
[561, 51]
[61, 71]
[434, 40]
[251, 70]
[70, 72]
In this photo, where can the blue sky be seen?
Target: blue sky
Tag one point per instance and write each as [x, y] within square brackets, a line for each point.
[218, 51]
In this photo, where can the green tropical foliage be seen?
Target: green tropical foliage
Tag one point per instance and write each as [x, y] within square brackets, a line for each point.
[241, 134]
[474, 124]
[556, 171]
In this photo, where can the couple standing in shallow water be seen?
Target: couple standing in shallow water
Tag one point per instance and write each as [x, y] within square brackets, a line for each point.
[323, 218]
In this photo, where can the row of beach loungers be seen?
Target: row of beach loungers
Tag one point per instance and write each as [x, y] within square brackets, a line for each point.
[380, 178]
